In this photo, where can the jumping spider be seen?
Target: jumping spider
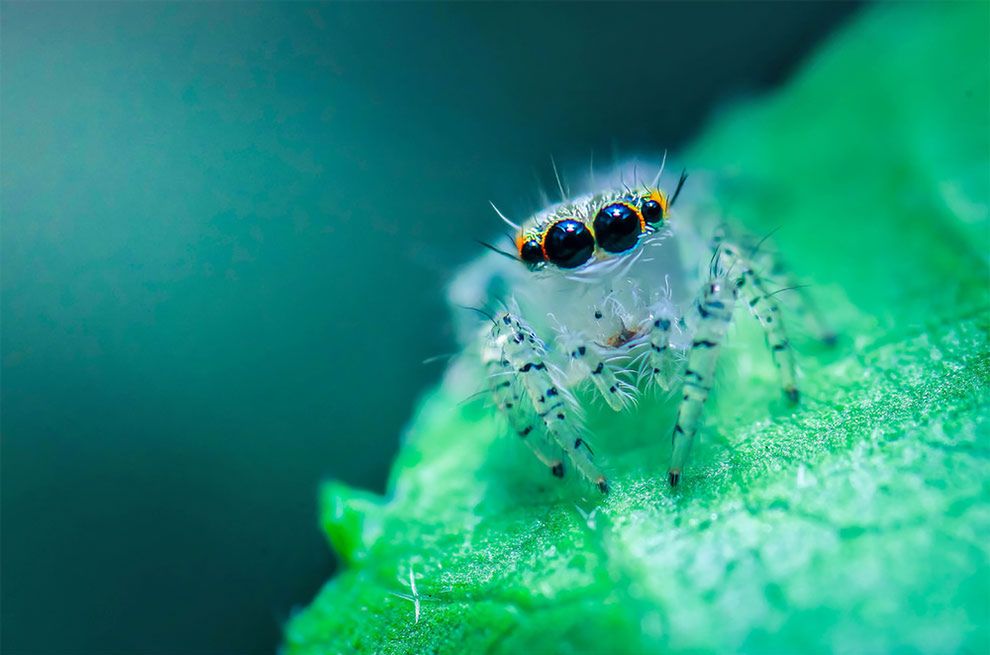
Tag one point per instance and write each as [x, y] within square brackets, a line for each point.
[616, 288]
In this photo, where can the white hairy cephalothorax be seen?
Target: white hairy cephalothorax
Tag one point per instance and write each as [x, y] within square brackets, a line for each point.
[623, 288]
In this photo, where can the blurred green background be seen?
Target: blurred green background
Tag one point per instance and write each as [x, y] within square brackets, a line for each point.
[226, 229]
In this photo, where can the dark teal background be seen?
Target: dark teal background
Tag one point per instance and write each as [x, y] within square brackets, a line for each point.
[226, 230]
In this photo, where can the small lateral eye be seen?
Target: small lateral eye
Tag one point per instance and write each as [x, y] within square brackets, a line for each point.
[652, 211]
[531, 253]
[568, 243]
[617, 227]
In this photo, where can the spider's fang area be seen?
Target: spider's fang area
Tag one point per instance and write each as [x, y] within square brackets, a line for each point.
[673, 477]
[603, 485]
[793, 395]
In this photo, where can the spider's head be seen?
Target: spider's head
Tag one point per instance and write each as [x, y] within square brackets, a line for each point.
[602, 227]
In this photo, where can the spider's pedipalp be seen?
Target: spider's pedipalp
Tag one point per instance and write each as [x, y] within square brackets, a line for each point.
[659, 362]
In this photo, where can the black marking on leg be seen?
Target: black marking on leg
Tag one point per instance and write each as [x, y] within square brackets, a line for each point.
[552, 391]
[599, 368]
[777, 347]
[579, 442]
[598, 314]
[703, 343]
[612, 389]
[662, 323]
[557, 470]
[793, 395]
[525, 431]
[560, 415]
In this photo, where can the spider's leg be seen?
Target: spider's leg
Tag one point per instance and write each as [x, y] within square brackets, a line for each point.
[510, 398]
[524, 354]
[806, 307]
[766, 310]
[714, 312]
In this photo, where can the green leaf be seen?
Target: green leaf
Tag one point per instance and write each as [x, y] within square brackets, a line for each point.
[858, 521]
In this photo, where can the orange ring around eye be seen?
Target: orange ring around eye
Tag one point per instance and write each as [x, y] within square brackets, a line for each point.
[639, 214]
[543, 240]
[546, 230]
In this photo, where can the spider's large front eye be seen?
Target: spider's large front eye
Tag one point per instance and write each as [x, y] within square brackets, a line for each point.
[568, 243]
[617, 227]
[531, 252]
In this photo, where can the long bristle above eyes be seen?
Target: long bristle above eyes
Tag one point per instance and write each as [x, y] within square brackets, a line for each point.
[680, 185]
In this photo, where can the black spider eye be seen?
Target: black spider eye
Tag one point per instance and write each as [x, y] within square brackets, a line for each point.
[531, 252]
[617, 227]
[652, 211]
[569, 243]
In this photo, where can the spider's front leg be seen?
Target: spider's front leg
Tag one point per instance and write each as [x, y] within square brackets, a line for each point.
[507, 393]
[536, 405]
[714, 312]
[732, 275]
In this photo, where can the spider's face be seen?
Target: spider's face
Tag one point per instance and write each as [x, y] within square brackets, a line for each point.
[599, 228]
